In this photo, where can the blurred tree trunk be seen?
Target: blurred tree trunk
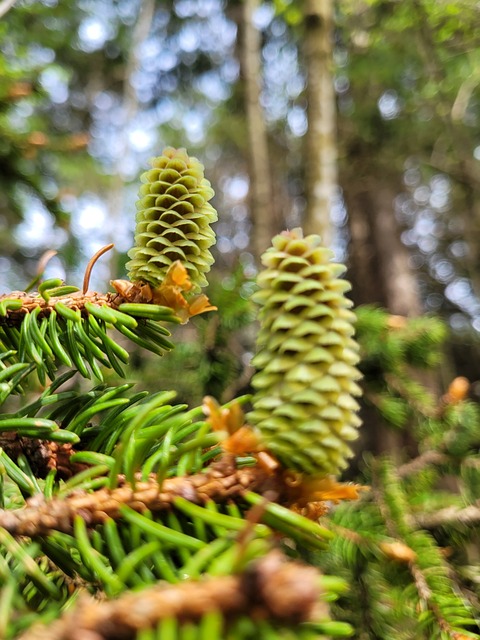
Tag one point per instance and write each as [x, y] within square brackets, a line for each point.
[380, 273]
[130, 106]
[261, 205]
[320, 142]
[459, 162]
[379, 261]
[5, 6]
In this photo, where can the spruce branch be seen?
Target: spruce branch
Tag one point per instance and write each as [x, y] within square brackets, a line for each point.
[271, 588]
[446, 611]
[78, 301]
[453, 432]
[72, 329]
[220, 483]
[61, 324]
[419, 399]
[129, 513]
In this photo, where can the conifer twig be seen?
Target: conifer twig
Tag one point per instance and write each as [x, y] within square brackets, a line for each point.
[421, 462]
[74, 302]
[273, 588]
[450, 516]
[402, 523]
[91, 263]
[40, 517]
[42, 264]
[5, 6]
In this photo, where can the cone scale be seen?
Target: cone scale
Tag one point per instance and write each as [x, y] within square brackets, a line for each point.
[304, 409]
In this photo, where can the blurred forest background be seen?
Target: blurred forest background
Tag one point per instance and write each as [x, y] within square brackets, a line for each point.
[356, 119]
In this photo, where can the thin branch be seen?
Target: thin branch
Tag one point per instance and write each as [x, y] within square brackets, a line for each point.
[44, 260]
[427, 408]
[5, 6]
[450, 516]
[42, 264]
[406, 522]
[463, 97]
[422, 462]
[91, 263]
[421, 584]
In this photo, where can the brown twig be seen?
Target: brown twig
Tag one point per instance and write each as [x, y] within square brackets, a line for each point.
[44, 260]
[74, 302]
[42, 264]
[426, 596]
[5, 6]
[271, 588]
[428, 409]
[91, 263]
[421, 462]
[252, 517]
[450, 516]
[221, 482]
[407, 523]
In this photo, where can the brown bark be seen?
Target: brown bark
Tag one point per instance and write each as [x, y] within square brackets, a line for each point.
[41, 517]
[380, 270]
[380, 274]
[364, 272]
[471, 233]
[454, 515]
[261, 205]
[460, 165]
[76, 301]
[272, 588]
[130, 107]
[320, 141]
[401, 286]
[5, 6]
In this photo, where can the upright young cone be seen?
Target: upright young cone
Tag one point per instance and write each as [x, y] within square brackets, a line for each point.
[173, 220]
[303, 408]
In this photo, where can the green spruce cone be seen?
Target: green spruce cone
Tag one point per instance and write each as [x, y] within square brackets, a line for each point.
[303, 407]
[173, 220]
